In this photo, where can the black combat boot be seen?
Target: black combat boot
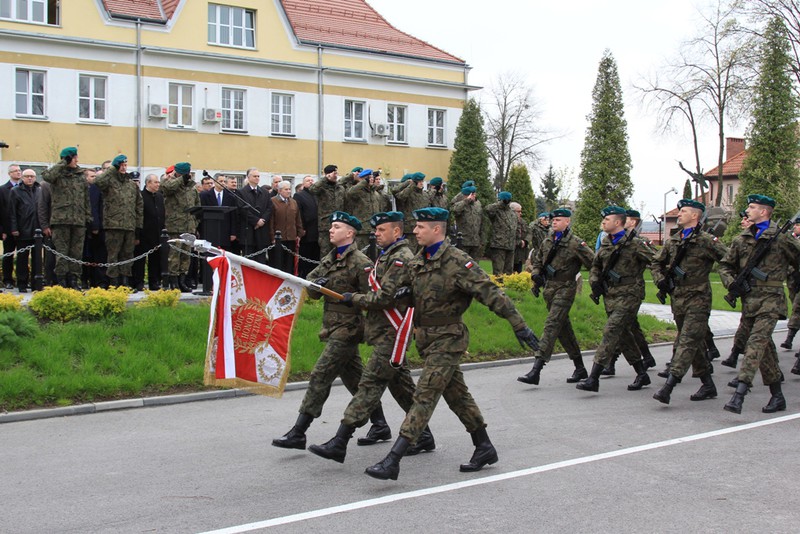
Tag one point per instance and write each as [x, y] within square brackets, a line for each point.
[707, 391]
[484, 452]
[789, 338]
[663, 394]
[183, 284]
[795, 370]
[336, 448]
[424, 443]
[665, 372]
[712, 352]
[734, 383]
[731, 360]
[592, 382]
[642, 379]
[611, 370]
[579, 373]
[296, 437]
[777, 403]
[735, 404]
[389, 467]
[379, 431]
[647, 359]
[533, 375]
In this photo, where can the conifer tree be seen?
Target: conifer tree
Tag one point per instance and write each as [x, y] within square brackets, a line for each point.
[519, 185]
[550, 189]
[470, 159]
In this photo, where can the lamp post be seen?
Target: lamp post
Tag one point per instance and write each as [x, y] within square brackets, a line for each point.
[664, 217]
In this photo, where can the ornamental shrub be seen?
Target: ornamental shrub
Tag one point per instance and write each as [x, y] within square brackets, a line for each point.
[56, 303]
[9, 302]
[100, 303]
[15, 325]
[162, 298]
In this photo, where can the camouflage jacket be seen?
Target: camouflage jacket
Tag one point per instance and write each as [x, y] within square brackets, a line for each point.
[469, 221]
[768, 296]
[408, 198]
[504, 226]
[363, 201]
[437, 199]
[443, 288]
[392, 272]
[346, 274]
[634, 258]
[69, 192]
[571, 253]
[178, 198]
[537, 233]
[521, 250]
[123, 208]
[702, 251]
[330, 198]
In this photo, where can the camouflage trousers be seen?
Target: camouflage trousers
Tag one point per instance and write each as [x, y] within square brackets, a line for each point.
[68, 240]
[617, 335]
[760, 353]
[502, 261]
[794, 319]
[338, 358]
[690, 345]
[178, 261]
[559, 298]
[441, 376]
[740, 338]
[377, 376]
[474, 252]
[638, 337]
[119, 244]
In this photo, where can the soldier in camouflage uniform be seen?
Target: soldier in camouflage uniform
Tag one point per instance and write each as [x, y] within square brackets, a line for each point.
[538, 230]
[330, 198]
[71, 212]
[559, 283]
[793, 285]
[345, 269]
[350, 179]
[522, 247]
[445, 280]
[621, 298]
[180, 194]
[436, 195]
[388, 335]
[740, 338]
[504, 234]
[468, 217]
[690, 299]
[123, 216]
[410, 196]
[362, 201]
[764, 304]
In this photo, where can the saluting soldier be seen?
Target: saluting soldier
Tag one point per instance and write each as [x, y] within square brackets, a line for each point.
[765, 303]
[468, 216]
[330, 198]
[622, 287]
[553, 269]
[388, 330]
[444, 282]
[504, 234]
[436, 195]
[362, 201]
[180, 194]
[410, 196]
[683, 266]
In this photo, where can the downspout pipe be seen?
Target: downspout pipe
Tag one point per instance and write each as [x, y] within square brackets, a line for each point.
[139, 133]
[320, 110]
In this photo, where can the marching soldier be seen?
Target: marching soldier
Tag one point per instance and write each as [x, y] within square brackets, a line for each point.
[740, 338]
[444, 282]
[553, 268]
[765, 302]
[180, 195]
[468, 216]
[681, 268]
[504, 234]
[436, 195]
[793, 285]
[616, 274]
[388, 330]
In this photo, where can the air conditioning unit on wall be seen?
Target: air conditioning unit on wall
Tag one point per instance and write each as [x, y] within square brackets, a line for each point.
[212, 115]
[381, 130]
[157, 111]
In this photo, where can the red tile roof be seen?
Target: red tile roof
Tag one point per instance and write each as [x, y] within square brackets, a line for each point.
[147, 9]
[354, 24]
[731, 167]
[705, 199]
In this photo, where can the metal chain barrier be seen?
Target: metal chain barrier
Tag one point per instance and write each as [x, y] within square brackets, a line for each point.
[17, 251]
[58, 254]
[297, 255]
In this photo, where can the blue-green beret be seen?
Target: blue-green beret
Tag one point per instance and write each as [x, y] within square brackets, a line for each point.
[405, 177]
[544, 214]
[431, 214]
[689, 203]
[69, 152]
[612, 210]
[417, 176]
[504, 195]
[344, 217]
[633, 213]
[357, 169]
[761, 199]
[365, 173]
[468, 190]
[385, 217]
[468, 183]
[119, 160]
[436, 181]
[183, 168]
[561, 212]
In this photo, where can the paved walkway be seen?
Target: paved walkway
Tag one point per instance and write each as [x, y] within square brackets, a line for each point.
[722, 323]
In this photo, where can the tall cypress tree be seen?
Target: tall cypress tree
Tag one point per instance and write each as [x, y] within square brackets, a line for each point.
[470, 159]
[605, 175]
[687, 189]
[550, 189]
[519, 185]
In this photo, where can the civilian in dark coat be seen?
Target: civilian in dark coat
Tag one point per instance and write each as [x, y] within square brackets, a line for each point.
[94, 244]
[309, 247]
[220, 196]
[24, 221]
[254, 212]
[150, 236]
[9, 241]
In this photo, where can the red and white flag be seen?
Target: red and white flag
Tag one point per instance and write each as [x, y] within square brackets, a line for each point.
[252, 315]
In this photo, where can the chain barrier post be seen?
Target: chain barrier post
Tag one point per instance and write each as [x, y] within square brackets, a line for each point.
[164, 239]
[278, 248]
[36, 261]
[372, 250]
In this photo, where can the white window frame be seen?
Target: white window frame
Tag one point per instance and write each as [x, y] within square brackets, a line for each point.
[92, 98]
[29, 94]
[9, 10]
[229, 113]
[281, 115]
[216, 26]
[433, 129]
[397, 127]
[352, 122]
[180, 107]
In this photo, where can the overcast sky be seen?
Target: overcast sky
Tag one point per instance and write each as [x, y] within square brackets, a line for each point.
[557, 46]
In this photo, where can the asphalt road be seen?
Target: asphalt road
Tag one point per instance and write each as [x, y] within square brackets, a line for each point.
[616, 461]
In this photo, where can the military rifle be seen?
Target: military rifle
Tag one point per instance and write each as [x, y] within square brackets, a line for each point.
[674, 271]
[609, 274]
[548, 269]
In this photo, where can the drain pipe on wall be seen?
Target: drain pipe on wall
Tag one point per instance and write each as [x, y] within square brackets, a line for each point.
[320, 111]
[139, 147]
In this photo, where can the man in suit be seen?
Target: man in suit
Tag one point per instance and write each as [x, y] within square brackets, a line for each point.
[254, 212]
[150, 235]
[9, 240]
[220, 196]
[309, 213]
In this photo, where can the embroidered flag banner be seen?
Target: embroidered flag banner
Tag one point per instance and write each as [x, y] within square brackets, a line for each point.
[252, 316]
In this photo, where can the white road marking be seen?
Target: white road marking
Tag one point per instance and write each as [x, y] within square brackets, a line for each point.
[294, 518]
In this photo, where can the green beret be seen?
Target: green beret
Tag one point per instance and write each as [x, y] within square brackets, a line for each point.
[385, 217]
[417, 176]
[431, 214]
[364, 173]
[761, 199]
[561, 212]
[436, 181]
[357, 169]
[612, 210]
[544, 214]
[468, 190]
[743, 214]
[633, 213]
[183, 168]
[69, 152]
[341, 216]
[468, 183]
[405, 177]
[119, 160]
[504, 195]
[689, 203]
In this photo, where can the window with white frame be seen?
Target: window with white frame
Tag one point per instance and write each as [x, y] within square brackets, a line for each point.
[436, 127]
[181, 108]
[29, 88]
[92, 97]
[233, 110]
[353, 119]
[36, 11]
[282, 114]
[396, 118]
[231, 26]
